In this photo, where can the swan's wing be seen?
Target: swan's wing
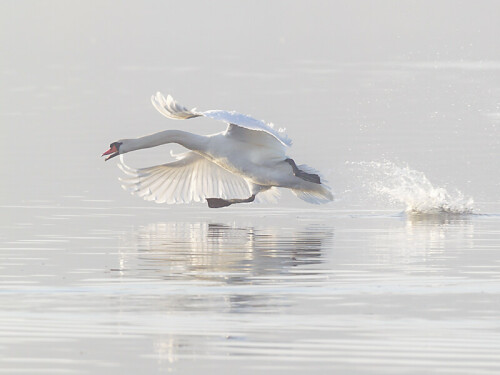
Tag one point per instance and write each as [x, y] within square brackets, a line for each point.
[173, 110]
[250, 123]
[263, 146]
[170, 108]
[313, 197]
[271, 195]
[190, 178]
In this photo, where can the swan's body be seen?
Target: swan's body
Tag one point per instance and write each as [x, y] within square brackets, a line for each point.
[248, 158]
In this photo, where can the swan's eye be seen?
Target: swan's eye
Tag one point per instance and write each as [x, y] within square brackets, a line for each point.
[115, 145]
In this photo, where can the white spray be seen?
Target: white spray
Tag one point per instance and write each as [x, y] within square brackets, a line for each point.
[402, 185]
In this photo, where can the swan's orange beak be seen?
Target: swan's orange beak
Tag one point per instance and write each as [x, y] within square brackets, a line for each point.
[113, 151]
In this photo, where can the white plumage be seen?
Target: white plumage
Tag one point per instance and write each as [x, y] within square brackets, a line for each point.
[170, 108]
[192, 178]
[230, 167]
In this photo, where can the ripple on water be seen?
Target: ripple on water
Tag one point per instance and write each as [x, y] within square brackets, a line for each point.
[374, 293]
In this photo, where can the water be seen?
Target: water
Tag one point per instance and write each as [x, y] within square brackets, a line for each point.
[403, 185]
[90, 290]
[399, 275]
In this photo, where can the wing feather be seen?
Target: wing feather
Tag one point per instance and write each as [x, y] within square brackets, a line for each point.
[151, 182]
[320, 195]
[250, 123]
[191, 178]
[195, 196]
[182, 194]
[168, 107]
[162, 190]
[169, 191]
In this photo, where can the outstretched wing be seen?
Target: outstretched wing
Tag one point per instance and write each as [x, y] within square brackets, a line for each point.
[171, 109]
[250, 123]
[191, 178]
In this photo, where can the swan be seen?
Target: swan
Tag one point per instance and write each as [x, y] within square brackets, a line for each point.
[226, 168]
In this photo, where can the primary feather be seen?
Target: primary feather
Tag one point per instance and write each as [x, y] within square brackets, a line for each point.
[191, 178]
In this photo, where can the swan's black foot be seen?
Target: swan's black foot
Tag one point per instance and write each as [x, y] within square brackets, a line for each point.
[311, 177]
[218, 202]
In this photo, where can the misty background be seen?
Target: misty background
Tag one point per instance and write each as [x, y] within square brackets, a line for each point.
[415, 81]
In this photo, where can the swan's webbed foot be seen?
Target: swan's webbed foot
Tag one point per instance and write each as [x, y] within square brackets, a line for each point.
[219, 202]
[311, 177]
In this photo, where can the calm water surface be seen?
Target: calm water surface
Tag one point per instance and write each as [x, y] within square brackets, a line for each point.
[90, 289]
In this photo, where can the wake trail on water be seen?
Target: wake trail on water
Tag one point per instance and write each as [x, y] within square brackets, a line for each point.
[403, 185]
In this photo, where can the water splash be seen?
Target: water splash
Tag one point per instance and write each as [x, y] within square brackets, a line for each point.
[403, 185]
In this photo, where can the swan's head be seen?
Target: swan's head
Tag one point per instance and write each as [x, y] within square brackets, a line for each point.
[114, 150]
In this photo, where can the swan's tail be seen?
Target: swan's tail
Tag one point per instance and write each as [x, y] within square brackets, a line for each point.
[318, 194]
[170, 108]
[313, 189]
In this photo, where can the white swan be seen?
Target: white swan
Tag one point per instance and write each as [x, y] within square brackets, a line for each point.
[224, 168]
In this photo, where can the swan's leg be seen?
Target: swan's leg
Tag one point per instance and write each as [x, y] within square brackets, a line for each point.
[311, 177]
[219, 202]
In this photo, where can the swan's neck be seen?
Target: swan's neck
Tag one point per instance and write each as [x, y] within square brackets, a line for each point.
[188, 140]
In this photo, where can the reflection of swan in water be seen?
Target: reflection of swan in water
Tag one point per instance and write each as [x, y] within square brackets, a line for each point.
[218, 252]
[199, 273]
